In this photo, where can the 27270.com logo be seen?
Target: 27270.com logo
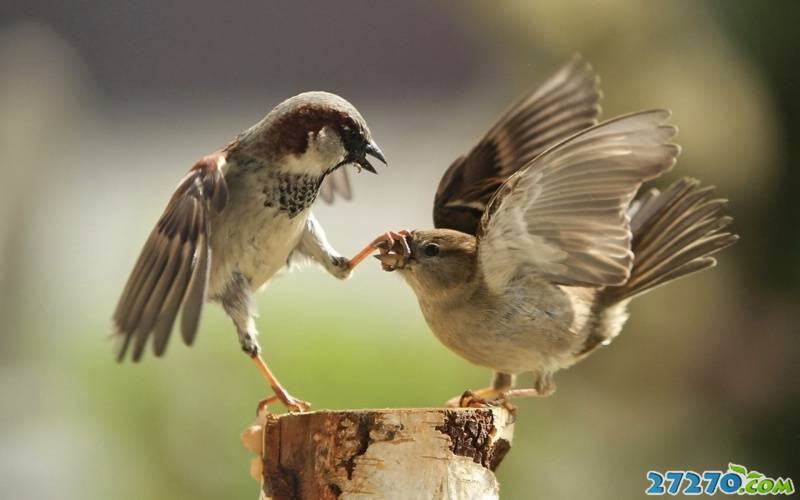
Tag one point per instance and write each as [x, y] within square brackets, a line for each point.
[737, 480]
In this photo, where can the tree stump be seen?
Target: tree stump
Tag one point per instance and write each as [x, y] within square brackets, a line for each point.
[434, 453]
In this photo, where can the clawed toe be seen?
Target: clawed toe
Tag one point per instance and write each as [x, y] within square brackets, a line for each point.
[394, 249]
[393, 241]
[481, 398]
[296, 405]
[292, 404]
[263, 404]
[469, 399]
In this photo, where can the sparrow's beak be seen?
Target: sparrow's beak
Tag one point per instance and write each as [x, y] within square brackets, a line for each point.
[373, 150]
[392, 261]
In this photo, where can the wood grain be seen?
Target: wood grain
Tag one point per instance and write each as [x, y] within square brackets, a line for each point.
[436, 453]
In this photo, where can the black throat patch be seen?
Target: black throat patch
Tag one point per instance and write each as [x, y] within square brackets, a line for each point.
[291, 193]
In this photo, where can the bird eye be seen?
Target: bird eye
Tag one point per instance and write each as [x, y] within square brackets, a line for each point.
[350, 137]
[431, 249]
[348, 133]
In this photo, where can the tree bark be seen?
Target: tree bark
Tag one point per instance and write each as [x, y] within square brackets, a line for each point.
[390, 454]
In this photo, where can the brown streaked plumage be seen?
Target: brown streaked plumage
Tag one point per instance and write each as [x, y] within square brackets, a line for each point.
[292, 120]
[237, 218]
[566, 103]
[559, 250]
[172, 268]
[675, 233]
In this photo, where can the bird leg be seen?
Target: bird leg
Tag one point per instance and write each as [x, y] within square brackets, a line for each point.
[290, 402]
[524, 393]
[235, 299]
[477, 398]
[542, 388]
[384, 243]
[501, 392]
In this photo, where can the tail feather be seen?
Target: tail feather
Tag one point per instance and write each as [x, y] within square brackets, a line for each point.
[674, 234]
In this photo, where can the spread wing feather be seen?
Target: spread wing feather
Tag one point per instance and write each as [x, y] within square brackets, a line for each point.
[172, 270]
[564, 215]
[565, 104]
[337, 183]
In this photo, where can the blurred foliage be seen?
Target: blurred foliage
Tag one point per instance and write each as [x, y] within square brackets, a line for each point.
[705, 373]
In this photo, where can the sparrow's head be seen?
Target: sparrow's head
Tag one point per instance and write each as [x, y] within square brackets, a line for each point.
[439, 261]
[313, 133]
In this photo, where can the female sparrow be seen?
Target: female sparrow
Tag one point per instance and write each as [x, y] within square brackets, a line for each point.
[539, 246]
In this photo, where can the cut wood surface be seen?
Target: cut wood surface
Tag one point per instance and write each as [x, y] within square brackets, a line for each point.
[431, 453]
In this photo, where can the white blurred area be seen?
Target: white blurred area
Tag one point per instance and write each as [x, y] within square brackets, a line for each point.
[85, 176]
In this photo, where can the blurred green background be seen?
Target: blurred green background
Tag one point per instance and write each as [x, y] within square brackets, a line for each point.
[105, 105]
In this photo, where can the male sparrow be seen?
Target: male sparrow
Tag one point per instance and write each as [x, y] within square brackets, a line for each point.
[539, 247]
[238, 217]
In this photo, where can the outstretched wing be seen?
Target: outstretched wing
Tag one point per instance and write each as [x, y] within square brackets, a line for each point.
[564, 216]
[565, 104]
[172, 270]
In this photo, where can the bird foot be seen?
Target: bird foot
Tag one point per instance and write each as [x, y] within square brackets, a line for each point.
[482, 398]
[393, 241]
[384, 243]
[292, 404]
[341, 267]
[394, 249]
